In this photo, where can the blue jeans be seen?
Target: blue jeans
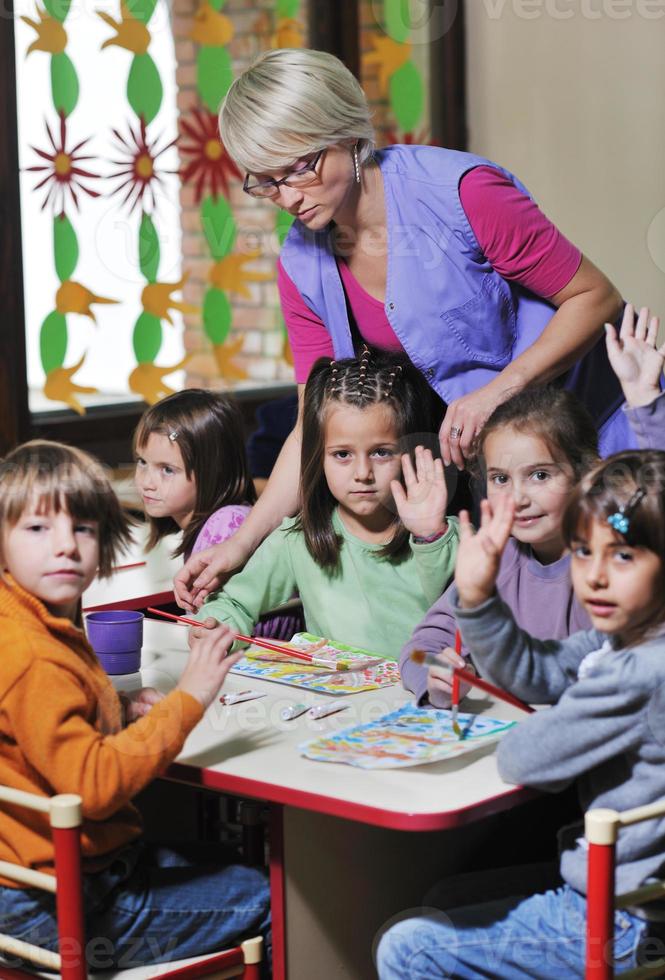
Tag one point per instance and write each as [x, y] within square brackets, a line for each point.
[151, 905]
[537, 938]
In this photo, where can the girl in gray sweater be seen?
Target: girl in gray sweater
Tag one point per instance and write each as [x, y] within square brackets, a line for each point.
[537, 446]
[605, 729]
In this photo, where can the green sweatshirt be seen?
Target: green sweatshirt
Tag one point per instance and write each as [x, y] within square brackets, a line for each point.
[368, 601]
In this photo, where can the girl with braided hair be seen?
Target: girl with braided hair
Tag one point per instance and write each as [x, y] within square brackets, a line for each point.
[372, 547]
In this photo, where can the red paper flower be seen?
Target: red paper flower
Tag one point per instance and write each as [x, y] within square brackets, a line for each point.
[209, 162]
[138, 168]
[63, 173]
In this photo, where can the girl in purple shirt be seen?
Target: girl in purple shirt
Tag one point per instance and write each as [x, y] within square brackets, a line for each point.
[536, 446]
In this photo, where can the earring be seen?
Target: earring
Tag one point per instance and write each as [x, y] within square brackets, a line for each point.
[356, 163]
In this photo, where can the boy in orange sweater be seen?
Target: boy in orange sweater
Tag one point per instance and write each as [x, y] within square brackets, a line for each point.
[61, 731]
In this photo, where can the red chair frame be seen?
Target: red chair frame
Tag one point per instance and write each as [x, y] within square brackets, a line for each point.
[65, 817]
[602, 830]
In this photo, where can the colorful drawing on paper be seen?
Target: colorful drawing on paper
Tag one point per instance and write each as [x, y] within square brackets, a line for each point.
[409, 736]
[362, 670]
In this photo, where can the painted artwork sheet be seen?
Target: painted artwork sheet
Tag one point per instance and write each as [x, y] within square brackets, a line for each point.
[357, 669]
[409, 736]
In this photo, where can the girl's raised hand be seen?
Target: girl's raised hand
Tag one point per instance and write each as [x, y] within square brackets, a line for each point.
[479, 553]
[635, 358]
[422, 506]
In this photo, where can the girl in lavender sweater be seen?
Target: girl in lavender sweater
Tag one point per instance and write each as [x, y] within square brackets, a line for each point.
[535, 447]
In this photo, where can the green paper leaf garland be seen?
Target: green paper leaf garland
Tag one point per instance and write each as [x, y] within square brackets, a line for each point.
[144, 87]
[214, 75]
[147, 338]
[406, 96]
[397, 20]
[149, 252]
[58, 9]
[65, 247]
[64, 83]
[141, 9]
[219, 227]
[217, 315]
[53, 341]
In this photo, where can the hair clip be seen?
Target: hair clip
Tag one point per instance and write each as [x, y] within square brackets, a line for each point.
[620, 519]
[173, 435]
[364, 364]
[333, 388]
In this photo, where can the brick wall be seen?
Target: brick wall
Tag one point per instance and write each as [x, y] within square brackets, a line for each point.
[256, 318]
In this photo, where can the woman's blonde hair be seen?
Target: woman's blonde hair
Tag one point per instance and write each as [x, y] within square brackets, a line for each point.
[63, 478]
[292, 102]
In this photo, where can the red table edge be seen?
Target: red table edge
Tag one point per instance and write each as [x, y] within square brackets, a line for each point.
[360, 812]
[138, 602]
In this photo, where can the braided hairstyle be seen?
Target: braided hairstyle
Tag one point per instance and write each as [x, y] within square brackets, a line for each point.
[372, 379]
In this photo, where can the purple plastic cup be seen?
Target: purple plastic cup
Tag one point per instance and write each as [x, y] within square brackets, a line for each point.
[116, 636]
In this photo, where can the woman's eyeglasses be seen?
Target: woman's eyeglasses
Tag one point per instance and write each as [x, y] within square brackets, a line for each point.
[269, 187]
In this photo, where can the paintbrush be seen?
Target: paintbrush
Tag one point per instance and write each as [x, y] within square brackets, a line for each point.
[431, 659]
[455, 693]
[285, 649]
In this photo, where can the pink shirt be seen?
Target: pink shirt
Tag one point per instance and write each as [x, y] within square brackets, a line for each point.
[521, 244]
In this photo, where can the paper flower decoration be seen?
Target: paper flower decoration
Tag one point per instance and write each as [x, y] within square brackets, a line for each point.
[147, 380]
[130, 33]
[59, 387]
[138, 168]
[209, 165]
[211, 28]
[230, 275]
[72, 297]
[289, 34]
[388, 56]
[51, 35]
[62, 168]
[156, 299]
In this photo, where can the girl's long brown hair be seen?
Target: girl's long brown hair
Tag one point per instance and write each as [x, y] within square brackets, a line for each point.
[207, 428]
[384, 379]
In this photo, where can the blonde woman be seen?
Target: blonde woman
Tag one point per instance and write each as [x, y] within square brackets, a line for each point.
[438, 253]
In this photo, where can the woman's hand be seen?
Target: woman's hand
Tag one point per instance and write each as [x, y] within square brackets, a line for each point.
[479, 554]
[464, 419]
[140, 702]
[635, 358]
[422, 507]
[206, 571]
[209, 661]
[440, 679]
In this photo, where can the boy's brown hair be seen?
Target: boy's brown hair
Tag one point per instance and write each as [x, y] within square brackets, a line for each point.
[63, 478]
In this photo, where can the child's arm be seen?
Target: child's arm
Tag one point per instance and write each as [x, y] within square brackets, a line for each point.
[266, 581]
[51, 716]
[597, 719]
[535, 670]
[435, 632]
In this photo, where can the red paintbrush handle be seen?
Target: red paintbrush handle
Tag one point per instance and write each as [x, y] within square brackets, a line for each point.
[474, 681]
[255, 641]
[455, 693]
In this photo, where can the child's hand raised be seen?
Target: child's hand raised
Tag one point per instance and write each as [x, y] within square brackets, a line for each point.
[634, 356]
[479, 553]
[422, 507]
[209, 661]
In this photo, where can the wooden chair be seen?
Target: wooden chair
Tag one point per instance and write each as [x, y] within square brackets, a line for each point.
[602, 829]
[65, 816]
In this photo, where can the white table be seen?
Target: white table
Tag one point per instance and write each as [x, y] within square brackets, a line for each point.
[344, 855]
[148, 583]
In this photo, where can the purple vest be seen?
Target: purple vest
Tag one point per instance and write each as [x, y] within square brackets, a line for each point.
[458, 320]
